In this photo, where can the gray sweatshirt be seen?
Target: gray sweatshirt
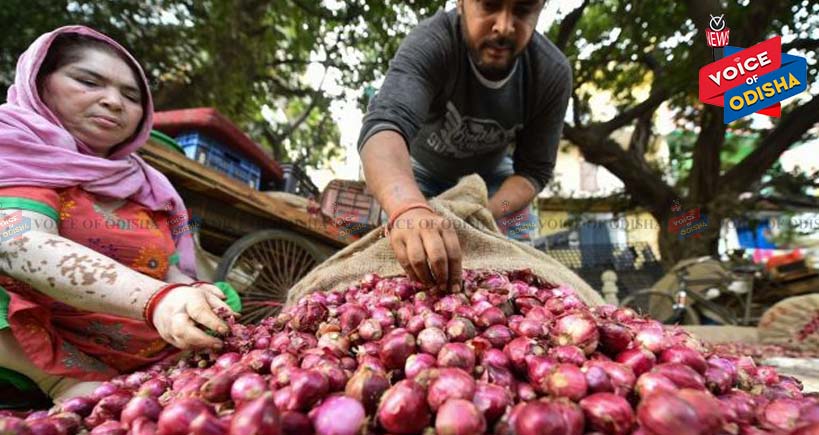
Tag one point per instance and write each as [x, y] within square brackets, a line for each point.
[456, 121]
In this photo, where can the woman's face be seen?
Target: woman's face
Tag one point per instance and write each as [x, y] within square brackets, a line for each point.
[96, 98]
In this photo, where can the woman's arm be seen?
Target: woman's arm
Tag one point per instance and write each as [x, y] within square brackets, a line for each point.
[176, 275]
[72, 273]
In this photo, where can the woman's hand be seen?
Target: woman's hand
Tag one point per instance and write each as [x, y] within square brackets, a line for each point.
[428, 249]
[178, 315]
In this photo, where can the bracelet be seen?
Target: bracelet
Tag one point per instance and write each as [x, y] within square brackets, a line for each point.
[198, 283]
[153, 301]
[397, 213]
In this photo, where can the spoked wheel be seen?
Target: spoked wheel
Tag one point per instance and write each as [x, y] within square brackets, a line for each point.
[660, 306]
[263, 266]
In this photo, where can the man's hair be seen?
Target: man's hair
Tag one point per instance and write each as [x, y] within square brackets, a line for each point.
[68, 48]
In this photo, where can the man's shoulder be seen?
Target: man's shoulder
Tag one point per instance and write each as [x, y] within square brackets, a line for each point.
[545, 57]
[442, 23]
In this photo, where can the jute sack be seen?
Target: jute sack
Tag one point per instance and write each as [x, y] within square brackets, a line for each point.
[482, 246]
[792, 322]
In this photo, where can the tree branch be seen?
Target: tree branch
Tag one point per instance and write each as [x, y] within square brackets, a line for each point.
[627, 116]
[568, 25]
[802, 44]
[640, 181]
[789, 130]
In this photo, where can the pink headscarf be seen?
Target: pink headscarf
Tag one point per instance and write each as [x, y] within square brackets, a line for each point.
[36, 150]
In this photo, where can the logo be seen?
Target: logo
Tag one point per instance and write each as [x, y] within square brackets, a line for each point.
[13, 226]
[750, 80]
[718, 35]
[686, 224]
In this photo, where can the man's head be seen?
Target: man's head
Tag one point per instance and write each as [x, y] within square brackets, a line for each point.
[497, 31]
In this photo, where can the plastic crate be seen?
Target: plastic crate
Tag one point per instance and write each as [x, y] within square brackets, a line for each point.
[352, 202]
[297, 182]
[213, 154]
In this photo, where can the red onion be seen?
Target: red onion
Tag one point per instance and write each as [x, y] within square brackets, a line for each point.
[650, 383]
[459, 417]
[491, 316]
[217, 389]
[78, 405]
[208, 424]
[572, 416]
[404, 409]
[457, 355]
[384, 316]
[13, 426]
[450, 384]
[608, 413]
[140, 406]
[576, 329]
[104, 389]
[107, 428]
[518, 349]
[479, 345]
[739, 406]
[282, 360]
[638, 359]
[367, 386]
[434, 320]
[335, 343]
[176, 418]
[667, 414]
[614, 338]
[706, 406]
[498, 375]
[306, 318]
[460, 329]
[396, 347]
[539, 418]
[652, 339]
[108, 408]
[247, 387]
[538, 369]
[597, 379]
[530, 328]
[525, 304]
[621, 376]
[295, 423]
[37, 415]
[416, 324]
[810, 429]
[718, 380]
[767, 375]
[681, 375]
[339, 415]
[494, 357]
[779, 414]
[498, 335]
[306, 388]
[259, 417]
[525, 392]
[143, 426]
[65, 422]
[684, 355]
[154, 387]
[431, 340]
[568, 354]
[417, 363]
[491, 400]
[566, 380]
[370, 330]
[540, 314]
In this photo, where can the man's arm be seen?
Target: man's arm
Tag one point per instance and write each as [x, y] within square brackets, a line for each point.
[515, 193]
[427, 249]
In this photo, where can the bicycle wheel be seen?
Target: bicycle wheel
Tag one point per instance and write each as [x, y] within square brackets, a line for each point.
[660, 306]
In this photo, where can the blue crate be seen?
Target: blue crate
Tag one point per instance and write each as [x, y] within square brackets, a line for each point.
[216, 155]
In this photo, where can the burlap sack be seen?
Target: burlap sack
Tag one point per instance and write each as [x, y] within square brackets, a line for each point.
[792, 322]
[482, 245]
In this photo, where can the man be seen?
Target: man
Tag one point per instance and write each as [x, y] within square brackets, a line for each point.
[464, 86]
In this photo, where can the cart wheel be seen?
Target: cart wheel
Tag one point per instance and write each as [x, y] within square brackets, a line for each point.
[263, 266]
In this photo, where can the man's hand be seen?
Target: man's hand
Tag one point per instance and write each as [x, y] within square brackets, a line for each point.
[178, 313]
[427, 247]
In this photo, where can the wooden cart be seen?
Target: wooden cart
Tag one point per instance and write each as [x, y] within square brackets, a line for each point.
[267, 240]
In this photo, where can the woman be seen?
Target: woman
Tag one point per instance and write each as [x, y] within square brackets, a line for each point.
[88, 260]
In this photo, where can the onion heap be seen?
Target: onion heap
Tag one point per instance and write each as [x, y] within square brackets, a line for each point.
[509, 355]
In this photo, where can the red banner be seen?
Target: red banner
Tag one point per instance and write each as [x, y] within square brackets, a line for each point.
[731, 71]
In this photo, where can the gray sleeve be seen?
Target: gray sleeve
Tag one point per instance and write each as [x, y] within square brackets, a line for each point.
[415, 76]
[536, 148]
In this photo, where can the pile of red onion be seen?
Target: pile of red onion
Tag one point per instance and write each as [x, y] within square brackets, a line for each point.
[510, 355]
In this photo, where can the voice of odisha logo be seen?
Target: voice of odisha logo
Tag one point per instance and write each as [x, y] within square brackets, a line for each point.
[749, 80]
